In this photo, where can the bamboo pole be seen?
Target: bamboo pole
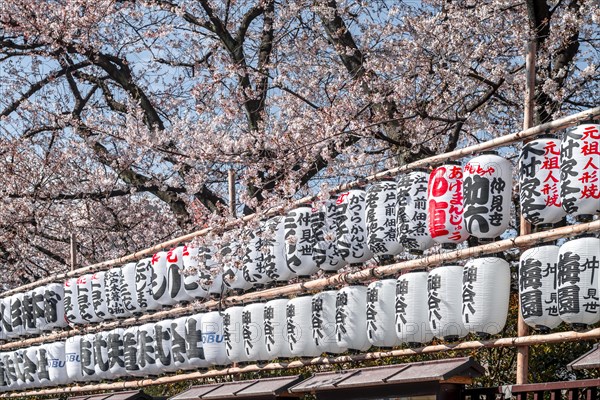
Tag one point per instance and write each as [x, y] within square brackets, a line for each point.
[524, 225]
[559, 337]
[319, 284]
[438, 159]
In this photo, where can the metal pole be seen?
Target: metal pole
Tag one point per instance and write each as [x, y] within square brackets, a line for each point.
[525, 226]
[231, 185]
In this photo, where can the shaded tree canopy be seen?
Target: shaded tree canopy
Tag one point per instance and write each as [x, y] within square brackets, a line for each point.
[120, 119]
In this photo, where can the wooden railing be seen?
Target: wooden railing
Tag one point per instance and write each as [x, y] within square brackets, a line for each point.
[586, 389]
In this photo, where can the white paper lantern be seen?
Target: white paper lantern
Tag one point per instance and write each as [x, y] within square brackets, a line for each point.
[487, 191]
[413, 230]
[217, 288]
[445, 205]
[381, 311]
[276, 342]
[577, 281]
[176, 286]
[324, 225]
[57, 367]
[146, 352]
[99, 303]
[71, 306]
[300, 241]
[128, 289]
[485, 295]
[274, 244]
[17, 317]
[113, 279]
[143, 286]
[10, 371]
[28, 313]
[163, 338]
[84, 299]
[194, 345]
[54, 307]
[232, 261]
[19, 367]
[324, 323]
[38, 309]
[352, 227]
[444, 286]
[299, 327]
[160, 279]
[31, 366]
[193, 272]
[412, 313]
[351, 318]
[255, 266]
[116, 355]
[101, 366]
[580, 170]
[87, 354]
[5, 382]
[253, 332]
[212, 338]
[73, 359]
[539, 176]
[381, 203]
[130, 351]
[44, 366]
[5, 319]
[537, 287]
[232, 334]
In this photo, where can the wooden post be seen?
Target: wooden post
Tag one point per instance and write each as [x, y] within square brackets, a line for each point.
[73, 252]
[525, 226]
[231, 186]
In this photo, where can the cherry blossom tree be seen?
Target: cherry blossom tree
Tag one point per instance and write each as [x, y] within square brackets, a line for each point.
[120, 119]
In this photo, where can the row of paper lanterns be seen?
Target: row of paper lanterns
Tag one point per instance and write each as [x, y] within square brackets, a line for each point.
[561, 284]
[444, 206]
[447, 303]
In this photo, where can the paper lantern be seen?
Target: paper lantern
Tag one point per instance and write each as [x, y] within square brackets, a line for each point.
[412, 314]
[539, 175]
[31, 366]
[254, 260]
[579, 170]
[444, 299]
[54, 307]
[324, 323]
[276, 342]
[87, 354]
[116, 355]
[99, 303]
[5, 319]
[324, 224]
[232, 261]
[413, 230]
[175, 283]
[485, 295]
[71, 306]
[212, 338]
[113, 279]
[73, 359]
[146, 352]
[11, 371]
[381, 203]
[84, 299]
[163, 338]
[193, 272]
[101, 366]
[253, 333]
[217, 288]
[537, 287]
[381, 299]
[352, 227]
[5, 381]
[57, 366]
[130, 351]
[445, 205]
[37, 296]
[19, 367]
[17, 317]
[351, 318]
[276, 265]
[299, 327]
[193, 338]
[143, 286]
[28, 313]
[160, 279]
[577, 281]
[487, 191]
[300, 242]
[232, 334]
[128, 289]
